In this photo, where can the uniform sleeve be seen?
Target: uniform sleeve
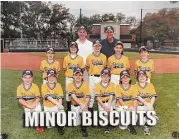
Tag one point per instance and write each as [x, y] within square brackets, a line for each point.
[37, 91]
[58, 66]
[136, 66]
[60, 92]
[19, 95]
[109, 62]
[64, 63]
[70, 90]
[45, 93]
[127, 63]
[87, 90]
[134, 93]
[152, 70]
[81, 63]
[41, 66]
[118, 93]
[152, 90]
[87, 61]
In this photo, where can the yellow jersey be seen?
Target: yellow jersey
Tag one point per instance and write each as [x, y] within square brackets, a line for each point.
[146, 92]
[127, 95]
[96, 63]
[146, 66]
[70, 64]
[45, 66]
[82, 92]
[56, 93]
[30, 94]
[104, 92]
[118, 64]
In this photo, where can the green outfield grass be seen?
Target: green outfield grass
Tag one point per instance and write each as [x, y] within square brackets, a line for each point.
[166, 108]
[130, 55]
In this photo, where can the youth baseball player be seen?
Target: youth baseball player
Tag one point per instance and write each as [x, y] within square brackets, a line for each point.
[49, 63]
[71, 62]
[118, 62]
[28, 95]
[52, 94]
[104, 92]
[95, 62]
[146, 96]
[126, 97]
[145, 63]
[80, 94]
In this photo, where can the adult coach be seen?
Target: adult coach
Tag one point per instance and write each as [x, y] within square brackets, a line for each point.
[84, 46]
[108, 43]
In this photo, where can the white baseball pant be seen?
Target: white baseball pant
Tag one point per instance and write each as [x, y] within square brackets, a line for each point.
[38, 108]
[92, 82]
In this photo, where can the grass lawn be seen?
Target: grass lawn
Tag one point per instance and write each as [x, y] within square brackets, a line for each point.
[130, 55]
[166, 108]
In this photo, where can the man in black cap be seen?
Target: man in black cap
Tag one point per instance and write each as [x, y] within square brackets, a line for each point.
[109, 42]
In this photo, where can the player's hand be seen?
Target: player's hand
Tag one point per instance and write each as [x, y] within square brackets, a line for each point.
[132, 108]
[60, 107]
[82, 106]
[108, 108]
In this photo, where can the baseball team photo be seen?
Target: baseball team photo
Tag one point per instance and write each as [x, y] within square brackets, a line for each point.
[86, 69]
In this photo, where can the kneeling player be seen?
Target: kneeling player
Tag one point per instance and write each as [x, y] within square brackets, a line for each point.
[104, 92]
[52, 95]
[146, 96]
[79, 91]
[126, 95]
[28, 95]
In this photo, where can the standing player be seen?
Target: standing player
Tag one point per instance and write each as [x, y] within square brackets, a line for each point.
[104, 92]
[71, 62]
[145, 63]
[52, 94]
[146, 95]
[126, 96]
[79, 91]
[118, 62]
[49, 63]
[28, 95]
[95, 62]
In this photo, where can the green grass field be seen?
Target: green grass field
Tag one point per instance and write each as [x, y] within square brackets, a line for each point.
[130, 55]
[166, 108]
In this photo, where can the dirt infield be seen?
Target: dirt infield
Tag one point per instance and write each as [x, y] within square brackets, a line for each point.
[21, 61]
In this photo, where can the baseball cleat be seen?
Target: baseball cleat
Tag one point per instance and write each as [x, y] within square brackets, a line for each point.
[146, 130]
[132, 130]
[106, 130]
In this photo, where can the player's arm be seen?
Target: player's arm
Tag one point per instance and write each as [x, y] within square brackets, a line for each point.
[141, 100]
[37, 96]
[152, 101]
[41, 67]
[76, 99]
[25, 104]
[100, 102]
[64, 65]
[127, 64]
[87, 63]
[54, 101]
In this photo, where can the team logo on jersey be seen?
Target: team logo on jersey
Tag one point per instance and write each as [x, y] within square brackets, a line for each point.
[127, 98]
[117, 65]
[144, 95]
[73, 66]
[144, 68]
[97, 62]
[80, 95]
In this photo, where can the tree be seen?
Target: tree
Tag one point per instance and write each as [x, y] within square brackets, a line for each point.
[120, 17]
[131, 20]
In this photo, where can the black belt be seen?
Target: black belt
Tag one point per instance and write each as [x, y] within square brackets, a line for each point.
[95, 75]
[141, 104]
[105, 101]
[76, 105]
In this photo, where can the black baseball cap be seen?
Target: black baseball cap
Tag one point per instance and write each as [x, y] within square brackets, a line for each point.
[51, 72]
[105, 71]
[73, 43]
[142, 48]
[27, 72]
[50, 49]
[141, 72]
[109, 28]
[124, 73]
[78, 70]
[97, 42]
[119, 43]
